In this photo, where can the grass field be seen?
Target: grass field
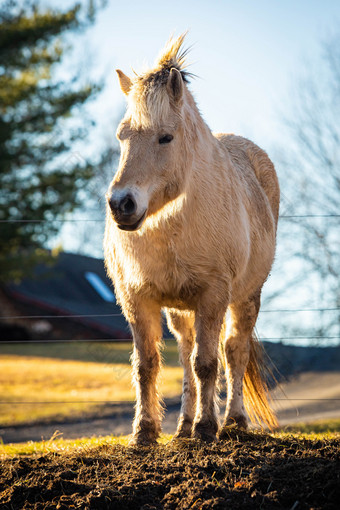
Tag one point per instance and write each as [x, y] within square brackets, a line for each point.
[71, 379]
[101, 352]
[318, 430]
[320, 427]
[248, 470]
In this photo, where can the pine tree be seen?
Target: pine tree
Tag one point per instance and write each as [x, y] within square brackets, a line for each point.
[40, 179]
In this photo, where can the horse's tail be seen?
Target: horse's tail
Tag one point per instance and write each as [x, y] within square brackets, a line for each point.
[255, 386]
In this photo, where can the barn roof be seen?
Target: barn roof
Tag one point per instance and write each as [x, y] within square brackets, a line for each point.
[74, 285]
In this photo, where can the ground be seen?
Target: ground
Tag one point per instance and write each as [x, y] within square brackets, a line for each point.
[47, 382]
[304, 398]
[248, 470]
[283, 470]
[84, 389]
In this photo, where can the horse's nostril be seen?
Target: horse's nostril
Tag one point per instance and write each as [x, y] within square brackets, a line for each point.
[112, 204]
[127, 205]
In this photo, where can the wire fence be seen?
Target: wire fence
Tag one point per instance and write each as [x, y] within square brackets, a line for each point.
[115, 402]
[70, 316]
[127, 339]
[101, 340]
[105, 340]
[75, 220]
[109, 340]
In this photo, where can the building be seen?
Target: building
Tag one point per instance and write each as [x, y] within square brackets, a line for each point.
[71, 299]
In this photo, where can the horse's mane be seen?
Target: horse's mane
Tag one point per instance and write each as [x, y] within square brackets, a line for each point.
[148, 102]
[172, 55]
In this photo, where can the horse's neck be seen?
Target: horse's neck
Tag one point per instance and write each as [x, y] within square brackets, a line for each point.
[206, 162]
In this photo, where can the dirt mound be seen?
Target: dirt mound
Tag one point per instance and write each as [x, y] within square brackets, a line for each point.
[248, 471]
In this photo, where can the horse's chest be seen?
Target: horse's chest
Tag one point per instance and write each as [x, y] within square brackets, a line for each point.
[161, 270]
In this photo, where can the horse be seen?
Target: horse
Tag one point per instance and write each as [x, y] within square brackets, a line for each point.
[191, 232]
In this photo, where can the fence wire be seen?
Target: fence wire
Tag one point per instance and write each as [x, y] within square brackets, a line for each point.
[114, 402]
[75, 220]
[113, 340]
[70, 316]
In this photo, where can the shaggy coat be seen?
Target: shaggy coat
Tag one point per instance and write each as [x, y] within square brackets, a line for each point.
[190, 229]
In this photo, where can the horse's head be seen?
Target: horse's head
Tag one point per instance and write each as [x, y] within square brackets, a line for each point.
[153, 140]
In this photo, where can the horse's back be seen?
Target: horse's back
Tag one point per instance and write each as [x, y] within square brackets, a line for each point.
[244, 154]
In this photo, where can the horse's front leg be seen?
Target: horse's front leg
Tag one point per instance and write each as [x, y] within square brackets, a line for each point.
[147, 336]
[208, 324]
[181, 324]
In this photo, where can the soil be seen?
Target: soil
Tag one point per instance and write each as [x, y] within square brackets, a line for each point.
[249, 470]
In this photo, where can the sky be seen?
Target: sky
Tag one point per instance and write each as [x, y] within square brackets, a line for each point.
[248, 56]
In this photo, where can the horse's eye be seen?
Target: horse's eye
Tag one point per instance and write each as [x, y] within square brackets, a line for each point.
[165, 139]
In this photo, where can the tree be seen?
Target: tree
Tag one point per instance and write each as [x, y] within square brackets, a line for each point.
[311, 180]
[86, 235]
[40, 180]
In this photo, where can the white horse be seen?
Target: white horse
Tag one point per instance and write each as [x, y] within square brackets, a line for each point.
[191, 229]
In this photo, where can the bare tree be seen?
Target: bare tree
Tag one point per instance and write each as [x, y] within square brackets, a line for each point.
[310, 177]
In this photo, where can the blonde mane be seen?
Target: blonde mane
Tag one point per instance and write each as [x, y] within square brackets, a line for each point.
[148, 100]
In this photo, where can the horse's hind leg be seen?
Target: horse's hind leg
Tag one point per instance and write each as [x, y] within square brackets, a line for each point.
[208, 324]
[181, 324]
[237, 347]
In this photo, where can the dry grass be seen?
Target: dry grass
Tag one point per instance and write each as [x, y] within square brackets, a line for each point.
[317, 428]
[69, 387]
[58, 445]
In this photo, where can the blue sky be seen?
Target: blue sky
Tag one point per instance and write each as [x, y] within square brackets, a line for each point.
[246, 53]
[248, 56]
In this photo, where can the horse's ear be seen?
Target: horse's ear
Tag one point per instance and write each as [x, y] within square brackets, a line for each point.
[124, 81]
[175, 84]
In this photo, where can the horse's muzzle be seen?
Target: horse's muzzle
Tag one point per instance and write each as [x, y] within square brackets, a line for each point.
[124, 212]
[134, 226]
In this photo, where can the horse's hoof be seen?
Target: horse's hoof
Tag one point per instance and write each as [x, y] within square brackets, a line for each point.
[204, 433]
[184, 431]
[239, 422]
[182, 434]
[145, 433]
[206, 437]
[142, 440]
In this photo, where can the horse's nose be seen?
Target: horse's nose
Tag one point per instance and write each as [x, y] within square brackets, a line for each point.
[123, 207]
[127, 205]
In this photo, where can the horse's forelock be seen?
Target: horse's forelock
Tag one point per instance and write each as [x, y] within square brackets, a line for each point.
[148, 101]
[149, 107]
[173, 55]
